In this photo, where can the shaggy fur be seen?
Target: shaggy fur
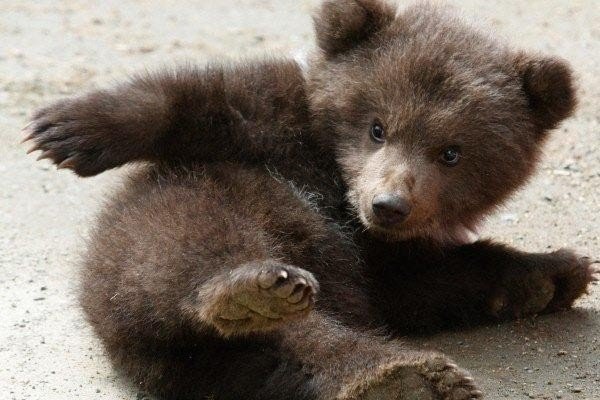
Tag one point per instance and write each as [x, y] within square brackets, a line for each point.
[248, 259]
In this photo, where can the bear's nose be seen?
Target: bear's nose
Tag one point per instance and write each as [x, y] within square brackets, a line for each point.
[390, 209]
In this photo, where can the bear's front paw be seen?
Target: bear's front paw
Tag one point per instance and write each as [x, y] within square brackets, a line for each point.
[257, 297]
[550, 282]
[422, 376]
[78, 134]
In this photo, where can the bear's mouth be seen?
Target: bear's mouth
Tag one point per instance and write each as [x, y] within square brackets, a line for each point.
[393, 232]
[456, 235]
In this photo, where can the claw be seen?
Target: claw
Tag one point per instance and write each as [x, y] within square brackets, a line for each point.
[45, 154]
[67, 163]
[34, 148]
[28, 137]
[593, 277]
[282, 275]
[26, 127]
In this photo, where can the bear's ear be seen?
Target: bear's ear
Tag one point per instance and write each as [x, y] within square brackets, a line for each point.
[548, 84]
[341, 25]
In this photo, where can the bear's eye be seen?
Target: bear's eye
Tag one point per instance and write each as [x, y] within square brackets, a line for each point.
[450, 156]
[377, 132]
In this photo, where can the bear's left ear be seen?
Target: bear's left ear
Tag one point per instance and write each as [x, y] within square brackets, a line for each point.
[548, 84]
[341, 25]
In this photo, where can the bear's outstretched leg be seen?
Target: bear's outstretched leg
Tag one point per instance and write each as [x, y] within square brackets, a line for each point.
[431, 288]
[351, 365]
[315, 358]
[540, 283]
[183, 114]
[254, 297]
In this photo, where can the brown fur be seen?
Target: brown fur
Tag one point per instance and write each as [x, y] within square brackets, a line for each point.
[202, 271]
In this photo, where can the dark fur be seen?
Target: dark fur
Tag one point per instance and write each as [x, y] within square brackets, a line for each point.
[202, 270]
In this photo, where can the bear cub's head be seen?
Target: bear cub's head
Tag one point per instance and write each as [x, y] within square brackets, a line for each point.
[434, 123]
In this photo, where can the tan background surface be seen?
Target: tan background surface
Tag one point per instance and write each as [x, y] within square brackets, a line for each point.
[49, 49]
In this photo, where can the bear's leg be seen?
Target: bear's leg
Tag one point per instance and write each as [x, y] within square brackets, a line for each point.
[185, 114]
[539, 283]
[315, 358]
[346, 364]
[429, 289]
[254, 297]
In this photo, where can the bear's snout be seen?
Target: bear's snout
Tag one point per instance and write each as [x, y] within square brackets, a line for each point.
[390, 209]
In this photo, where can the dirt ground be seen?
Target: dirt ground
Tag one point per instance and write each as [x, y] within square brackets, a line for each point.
[49, 49]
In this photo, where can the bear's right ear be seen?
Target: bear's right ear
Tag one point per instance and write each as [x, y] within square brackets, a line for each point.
[341, 25]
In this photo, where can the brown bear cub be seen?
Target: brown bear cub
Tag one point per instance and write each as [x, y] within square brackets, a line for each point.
[289, 224]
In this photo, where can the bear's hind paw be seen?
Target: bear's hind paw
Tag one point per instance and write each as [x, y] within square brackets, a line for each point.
[424, 376]
[257, 296]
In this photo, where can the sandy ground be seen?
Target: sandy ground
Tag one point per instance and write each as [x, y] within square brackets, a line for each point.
[49, 49]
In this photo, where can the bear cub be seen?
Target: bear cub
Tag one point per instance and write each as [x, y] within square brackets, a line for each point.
[287, 226]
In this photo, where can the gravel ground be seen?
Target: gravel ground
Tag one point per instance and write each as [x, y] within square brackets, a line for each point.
[49, 49]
